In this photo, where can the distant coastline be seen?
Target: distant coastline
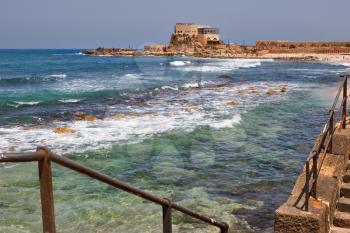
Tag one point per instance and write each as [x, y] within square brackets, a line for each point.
[194, 40]
[336, 58]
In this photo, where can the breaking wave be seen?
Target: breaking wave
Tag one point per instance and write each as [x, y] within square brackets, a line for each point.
[179, 63]
[69, 100]
[181, 108]
[31, 80]
[219, 65]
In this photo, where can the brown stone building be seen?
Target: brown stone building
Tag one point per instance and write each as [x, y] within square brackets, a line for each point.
[204, 34]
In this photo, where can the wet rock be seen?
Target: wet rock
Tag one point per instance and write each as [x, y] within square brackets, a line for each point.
[64, 131]
[148, 113]
[34, 127]
[134, 114]
[283, 89]
[231, 103]
[79, 116]
[271, 91]
[55, 120]
[224, 77]
[192, 106]
[253, 90]
[119, 116]
[79, 113]
[241, 92]
[89, 118]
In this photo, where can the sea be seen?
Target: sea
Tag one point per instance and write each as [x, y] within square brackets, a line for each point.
[224, 137]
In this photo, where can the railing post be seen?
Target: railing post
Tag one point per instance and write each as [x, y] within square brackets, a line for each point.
[345, 93]
[314, 176]
[224, 229]
[330, 133]
[167, 224]
[46, 192]
[307, 180]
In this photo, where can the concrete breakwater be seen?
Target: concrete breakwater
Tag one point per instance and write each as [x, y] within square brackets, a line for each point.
[320, 199]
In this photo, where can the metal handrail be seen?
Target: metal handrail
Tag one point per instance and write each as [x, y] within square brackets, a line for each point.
[44, 157]
[323, 145]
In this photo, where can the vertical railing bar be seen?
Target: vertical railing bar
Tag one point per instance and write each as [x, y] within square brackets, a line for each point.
[331, 131]
[46, 192]
[314, 175]
[167, 219]
[307, 190]
[345, 87]
[224, 229]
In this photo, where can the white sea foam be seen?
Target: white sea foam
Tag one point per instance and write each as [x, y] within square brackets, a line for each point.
[218, 65]
[179, 63]
[228, 123]
[31, 103]
[194, 84]
[57, 75]
[346, 64]
[130, 75]
[173, 111]
[170, 88]
[190, 85]
[69, 100]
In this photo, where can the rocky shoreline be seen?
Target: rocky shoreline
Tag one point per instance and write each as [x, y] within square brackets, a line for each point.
[185, 45]
[330, 58]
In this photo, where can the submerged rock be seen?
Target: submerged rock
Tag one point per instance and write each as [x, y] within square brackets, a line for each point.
[231, 103]
[148, 114]
[283, 89]
[89, 118]
[64, 131]
[79, 116]
[241, 92]
[34, 127]
[271, 91]
[119, 116]
[79, 113]
[134, 114]
[242, 79]
[224, 77]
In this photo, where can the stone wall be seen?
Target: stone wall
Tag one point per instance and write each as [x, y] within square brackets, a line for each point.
[186, 28]
[155, 48]
[303, 47]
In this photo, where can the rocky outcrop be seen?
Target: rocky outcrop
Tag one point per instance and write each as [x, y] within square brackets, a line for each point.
[110, 52]
[64, 131]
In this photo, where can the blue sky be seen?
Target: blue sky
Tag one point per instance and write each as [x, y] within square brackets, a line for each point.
[117, 23]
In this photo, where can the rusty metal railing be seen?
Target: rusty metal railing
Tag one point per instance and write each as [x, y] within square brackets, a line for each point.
[44, 157]
[323, 146]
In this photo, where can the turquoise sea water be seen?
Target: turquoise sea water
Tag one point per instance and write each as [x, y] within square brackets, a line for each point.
[174, 135]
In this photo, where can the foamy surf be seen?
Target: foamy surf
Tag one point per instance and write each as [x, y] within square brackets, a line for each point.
[183, 109]
[57, 76]
[228, 123]
[179, 63]
[69, 100]
[29, 103]
[219, 65]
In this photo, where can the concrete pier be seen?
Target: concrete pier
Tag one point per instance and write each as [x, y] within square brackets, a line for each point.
[330, 211]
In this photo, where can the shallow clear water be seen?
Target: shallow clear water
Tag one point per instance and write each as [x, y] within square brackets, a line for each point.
[175, 136]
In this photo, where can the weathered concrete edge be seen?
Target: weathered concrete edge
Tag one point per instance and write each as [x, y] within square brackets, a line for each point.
[289, 218]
